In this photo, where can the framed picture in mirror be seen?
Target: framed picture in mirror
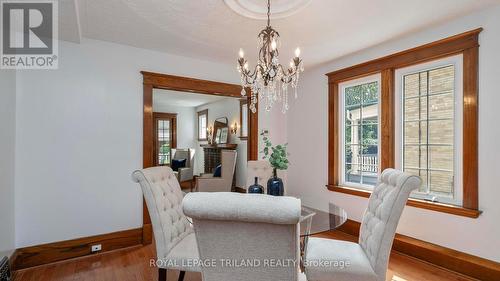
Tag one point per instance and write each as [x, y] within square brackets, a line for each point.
[223, 135]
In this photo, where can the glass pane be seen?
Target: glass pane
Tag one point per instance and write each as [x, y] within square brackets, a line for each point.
[441, 106]
[415, 132]
[352, 134]
[411, 83]
[423, 83]
[352, 96]
[441, 157]
[244, 120]
[441, 80]
[352, 173]
[370, 93]
[441, 132]
[415, 108]
[423, 176]
[441, 182]
[352, 153]
[353, 116]
[370, 134]
[415, 156]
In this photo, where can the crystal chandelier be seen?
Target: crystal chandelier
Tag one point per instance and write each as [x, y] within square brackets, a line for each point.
[269, 81]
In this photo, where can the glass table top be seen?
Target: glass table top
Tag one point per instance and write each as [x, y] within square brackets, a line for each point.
[314, 221]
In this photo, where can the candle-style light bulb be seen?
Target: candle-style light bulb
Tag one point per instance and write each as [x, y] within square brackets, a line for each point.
[291, 64]
[297, 52]
[273, 44]
[242, 54]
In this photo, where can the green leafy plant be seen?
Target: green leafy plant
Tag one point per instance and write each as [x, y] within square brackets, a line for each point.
[276, 155]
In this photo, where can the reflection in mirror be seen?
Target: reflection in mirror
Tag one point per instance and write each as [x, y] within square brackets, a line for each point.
[202, 131]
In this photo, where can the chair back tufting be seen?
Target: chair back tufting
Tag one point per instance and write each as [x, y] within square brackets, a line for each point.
[163, 197]
[381, 218]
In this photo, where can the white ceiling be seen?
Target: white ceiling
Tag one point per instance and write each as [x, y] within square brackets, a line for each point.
[209, 29]
[183, 99]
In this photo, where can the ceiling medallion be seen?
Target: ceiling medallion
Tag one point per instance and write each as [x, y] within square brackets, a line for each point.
[254, 9]
[269, 81]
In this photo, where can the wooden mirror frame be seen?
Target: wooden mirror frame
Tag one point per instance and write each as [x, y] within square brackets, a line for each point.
[153, 80]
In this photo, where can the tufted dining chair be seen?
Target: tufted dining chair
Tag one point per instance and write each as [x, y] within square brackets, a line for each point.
[174, 236]
[368, 259]
[233, 227]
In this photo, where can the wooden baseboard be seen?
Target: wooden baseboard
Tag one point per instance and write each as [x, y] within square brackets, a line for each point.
[450, 259]
[58, 251]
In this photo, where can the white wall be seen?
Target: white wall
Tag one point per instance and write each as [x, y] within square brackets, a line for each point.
[7, 159]
[230, 108]
[308, 138]
[79, 137]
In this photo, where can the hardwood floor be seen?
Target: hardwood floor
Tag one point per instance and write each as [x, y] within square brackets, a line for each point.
[132, 264]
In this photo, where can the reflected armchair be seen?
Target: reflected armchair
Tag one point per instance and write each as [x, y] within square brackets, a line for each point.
[185, 173]
[209, 183]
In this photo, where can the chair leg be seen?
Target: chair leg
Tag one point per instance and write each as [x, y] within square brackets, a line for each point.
[181, 275]
[162, 274]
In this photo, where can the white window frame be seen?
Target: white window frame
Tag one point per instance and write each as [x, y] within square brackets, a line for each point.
[200, 126]
[342, 87]
[457, 62]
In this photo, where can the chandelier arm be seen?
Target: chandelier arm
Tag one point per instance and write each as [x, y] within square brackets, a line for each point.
[253, 75]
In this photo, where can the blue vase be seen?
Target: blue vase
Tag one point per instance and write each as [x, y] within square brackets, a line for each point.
[256, 187]
[275, 185]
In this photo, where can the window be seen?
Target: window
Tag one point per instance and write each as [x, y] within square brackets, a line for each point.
[202, 124]
[359, 123]
[427, 123]
[165, 137]
[244, 119]
[428, 131]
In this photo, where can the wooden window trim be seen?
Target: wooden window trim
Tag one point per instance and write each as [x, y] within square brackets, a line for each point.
[466, 44]
[202, 112]
[243, 102]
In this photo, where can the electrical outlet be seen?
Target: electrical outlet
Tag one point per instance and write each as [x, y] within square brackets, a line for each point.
[96, 248]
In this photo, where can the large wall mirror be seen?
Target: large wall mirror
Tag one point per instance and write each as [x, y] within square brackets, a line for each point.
[188, 122]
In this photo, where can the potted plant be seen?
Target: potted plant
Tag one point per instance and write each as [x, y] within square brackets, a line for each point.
[277, 157]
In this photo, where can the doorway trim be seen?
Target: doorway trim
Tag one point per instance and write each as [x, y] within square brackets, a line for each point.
[152, 80]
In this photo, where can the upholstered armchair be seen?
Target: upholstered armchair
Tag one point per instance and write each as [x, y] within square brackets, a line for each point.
[370, 256]
[186, 173]
[260, 169]
[209, 183]
[174, 237]
[232, 226]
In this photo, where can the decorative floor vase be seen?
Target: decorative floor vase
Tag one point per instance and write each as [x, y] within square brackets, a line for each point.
[275, 185]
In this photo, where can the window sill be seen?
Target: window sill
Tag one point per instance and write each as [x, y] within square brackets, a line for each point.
[434, 206]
